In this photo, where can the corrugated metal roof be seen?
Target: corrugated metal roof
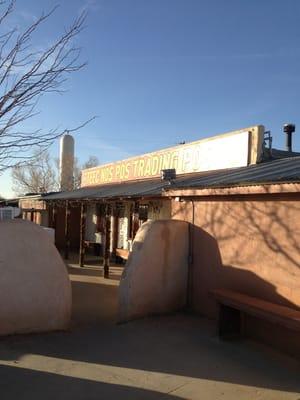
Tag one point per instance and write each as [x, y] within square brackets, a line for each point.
[276, 171]
[150, 187]
[277, 153]
[281, 170]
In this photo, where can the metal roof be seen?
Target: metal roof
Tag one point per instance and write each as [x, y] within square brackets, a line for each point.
[277, 153]
[275, 171]
[150, 187]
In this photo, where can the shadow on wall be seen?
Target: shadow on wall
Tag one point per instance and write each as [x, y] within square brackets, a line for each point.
[208, 273]
[250, 244]
[274, 225]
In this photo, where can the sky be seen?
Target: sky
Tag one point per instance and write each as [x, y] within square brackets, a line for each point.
[164, 71]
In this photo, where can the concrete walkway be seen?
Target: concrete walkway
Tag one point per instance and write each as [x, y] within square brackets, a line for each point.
[171, 357]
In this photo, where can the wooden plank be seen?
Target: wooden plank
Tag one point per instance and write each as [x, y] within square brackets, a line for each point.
[278, 314]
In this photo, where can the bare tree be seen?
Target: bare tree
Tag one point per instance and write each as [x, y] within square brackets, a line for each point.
[92, 161]
[77, 174]
[39, 176]
[26, 74]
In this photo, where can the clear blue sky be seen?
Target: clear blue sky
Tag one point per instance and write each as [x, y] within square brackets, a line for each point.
[163, 71]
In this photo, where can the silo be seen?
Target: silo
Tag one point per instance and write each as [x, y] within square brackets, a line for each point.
[66, 162]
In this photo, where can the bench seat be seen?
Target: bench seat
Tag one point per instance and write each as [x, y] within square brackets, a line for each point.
[233, 305]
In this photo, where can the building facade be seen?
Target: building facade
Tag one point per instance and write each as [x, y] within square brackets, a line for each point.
[240, 197]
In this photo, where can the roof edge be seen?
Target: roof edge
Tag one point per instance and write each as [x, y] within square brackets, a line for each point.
[266, 188]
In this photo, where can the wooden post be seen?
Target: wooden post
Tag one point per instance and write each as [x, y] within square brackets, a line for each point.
[67, 230]
[136, 221]
[53, 220]
[114, 227]
[106, 244]
[100, 228]
[82, 234]
[53, 216]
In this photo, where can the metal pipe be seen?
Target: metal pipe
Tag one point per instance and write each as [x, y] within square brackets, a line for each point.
[288, 129]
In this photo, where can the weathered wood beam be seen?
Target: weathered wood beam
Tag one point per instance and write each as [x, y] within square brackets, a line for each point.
[82, 234]
[106, 259]
[115, 227]
[67, 229]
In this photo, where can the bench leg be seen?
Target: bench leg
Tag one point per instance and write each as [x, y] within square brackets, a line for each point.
[229, 323]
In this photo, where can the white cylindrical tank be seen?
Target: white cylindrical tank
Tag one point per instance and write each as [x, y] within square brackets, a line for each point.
[66, 162]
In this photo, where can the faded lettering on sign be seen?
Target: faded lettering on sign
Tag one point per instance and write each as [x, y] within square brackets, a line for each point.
[225, 151]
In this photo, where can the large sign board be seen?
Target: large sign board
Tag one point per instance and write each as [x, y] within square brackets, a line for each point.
[219, 152]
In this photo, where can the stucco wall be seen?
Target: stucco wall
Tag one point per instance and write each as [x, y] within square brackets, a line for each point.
[155, 276]
[35, 292]
[249, 244]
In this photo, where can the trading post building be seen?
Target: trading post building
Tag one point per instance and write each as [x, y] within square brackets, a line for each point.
[241, 198]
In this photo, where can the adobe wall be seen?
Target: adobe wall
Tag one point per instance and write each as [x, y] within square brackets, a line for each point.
[154, 280]
[35, 291]
[249, 243]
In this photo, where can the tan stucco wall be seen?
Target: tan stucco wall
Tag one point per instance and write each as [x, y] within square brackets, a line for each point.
[35, 292]
[155, 275]
[249, 244]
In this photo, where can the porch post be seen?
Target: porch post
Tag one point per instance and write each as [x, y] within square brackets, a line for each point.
[114, 227]
[67, 230]
[53, 219]
[107, 243]
[82, 234]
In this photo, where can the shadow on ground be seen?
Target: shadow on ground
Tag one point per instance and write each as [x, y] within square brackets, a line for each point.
[27, 384]
[180, 345]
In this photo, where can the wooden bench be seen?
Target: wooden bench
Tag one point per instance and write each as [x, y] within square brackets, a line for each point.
[233, 306]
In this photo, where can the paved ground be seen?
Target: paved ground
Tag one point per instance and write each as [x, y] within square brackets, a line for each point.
[172, 357]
